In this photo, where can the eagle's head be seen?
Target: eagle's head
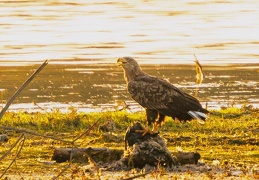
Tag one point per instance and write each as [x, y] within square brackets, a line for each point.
[130, 67]
[127, 62]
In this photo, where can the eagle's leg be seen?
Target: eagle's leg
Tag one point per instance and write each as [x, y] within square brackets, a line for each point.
[158, 123]
[151, 118]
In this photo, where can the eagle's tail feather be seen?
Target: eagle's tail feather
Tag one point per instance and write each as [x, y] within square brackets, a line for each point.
[198, 115]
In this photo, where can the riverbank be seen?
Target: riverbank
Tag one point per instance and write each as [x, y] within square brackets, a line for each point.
[228, 143]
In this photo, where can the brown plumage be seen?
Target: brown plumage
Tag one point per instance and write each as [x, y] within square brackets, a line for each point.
[159, 97]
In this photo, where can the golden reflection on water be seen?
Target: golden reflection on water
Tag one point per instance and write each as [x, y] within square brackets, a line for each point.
[153, 31]
[98, 87]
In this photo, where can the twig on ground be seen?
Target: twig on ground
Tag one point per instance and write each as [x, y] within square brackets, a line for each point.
[136, 176]
[11, 148]
[20, 141]
[87, 131]
[66, 167]
[45, 136]
[34, 133]
[73, 146]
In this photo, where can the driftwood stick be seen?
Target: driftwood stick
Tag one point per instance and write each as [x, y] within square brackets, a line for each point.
[187, 157]
[82, 154]
[106, 155]
[21, 88]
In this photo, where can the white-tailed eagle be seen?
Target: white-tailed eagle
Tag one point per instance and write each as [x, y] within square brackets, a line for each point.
[159, 97]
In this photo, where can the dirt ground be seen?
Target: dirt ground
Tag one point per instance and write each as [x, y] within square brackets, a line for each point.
[186, 172]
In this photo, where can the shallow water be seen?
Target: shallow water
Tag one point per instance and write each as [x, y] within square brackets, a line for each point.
[167, 32]
[102, 87]
[80, 36]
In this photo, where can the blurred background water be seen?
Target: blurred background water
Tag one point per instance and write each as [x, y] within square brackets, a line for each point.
[82, 31]
[83, 40]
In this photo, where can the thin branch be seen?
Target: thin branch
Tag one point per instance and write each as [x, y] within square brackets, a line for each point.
[195, 57]
[21, 141]
[136, 176]
[66, 167]
[21, 88]
[74, 147]
[87, 131]
[11, 148]
[34, 133]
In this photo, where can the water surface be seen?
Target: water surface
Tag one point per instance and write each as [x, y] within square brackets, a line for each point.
[84, 39]
[154, 31]
[102, 87]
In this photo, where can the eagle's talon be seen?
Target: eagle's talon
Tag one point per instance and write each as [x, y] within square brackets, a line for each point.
[147, 131]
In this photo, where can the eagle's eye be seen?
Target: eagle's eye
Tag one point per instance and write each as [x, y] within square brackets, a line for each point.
[121, 61]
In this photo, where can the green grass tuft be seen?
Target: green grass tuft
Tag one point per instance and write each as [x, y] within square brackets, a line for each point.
[229, 135]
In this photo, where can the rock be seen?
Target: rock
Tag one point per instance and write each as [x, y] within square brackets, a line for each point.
[3, 138]
[108, 126]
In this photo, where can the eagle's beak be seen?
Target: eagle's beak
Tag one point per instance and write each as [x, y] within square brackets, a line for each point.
[121, 61]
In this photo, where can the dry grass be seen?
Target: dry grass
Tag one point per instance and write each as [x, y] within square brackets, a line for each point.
[228, 143]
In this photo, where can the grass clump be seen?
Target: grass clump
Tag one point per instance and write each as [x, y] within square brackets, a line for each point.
[63, 122]
[229, 135]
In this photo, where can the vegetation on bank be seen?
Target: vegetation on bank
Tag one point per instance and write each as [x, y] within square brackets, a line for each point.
[230, 136]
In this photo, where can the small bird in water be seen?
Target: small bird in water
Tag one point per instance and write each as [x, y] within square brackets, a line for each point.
[199, 72]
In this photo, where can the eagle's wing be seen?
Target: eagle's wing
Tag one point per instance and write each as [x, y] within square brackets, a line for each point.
[154, 93]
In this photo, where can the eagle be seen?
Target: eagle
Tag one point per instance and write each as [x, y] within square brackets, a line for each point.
[159, 97]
